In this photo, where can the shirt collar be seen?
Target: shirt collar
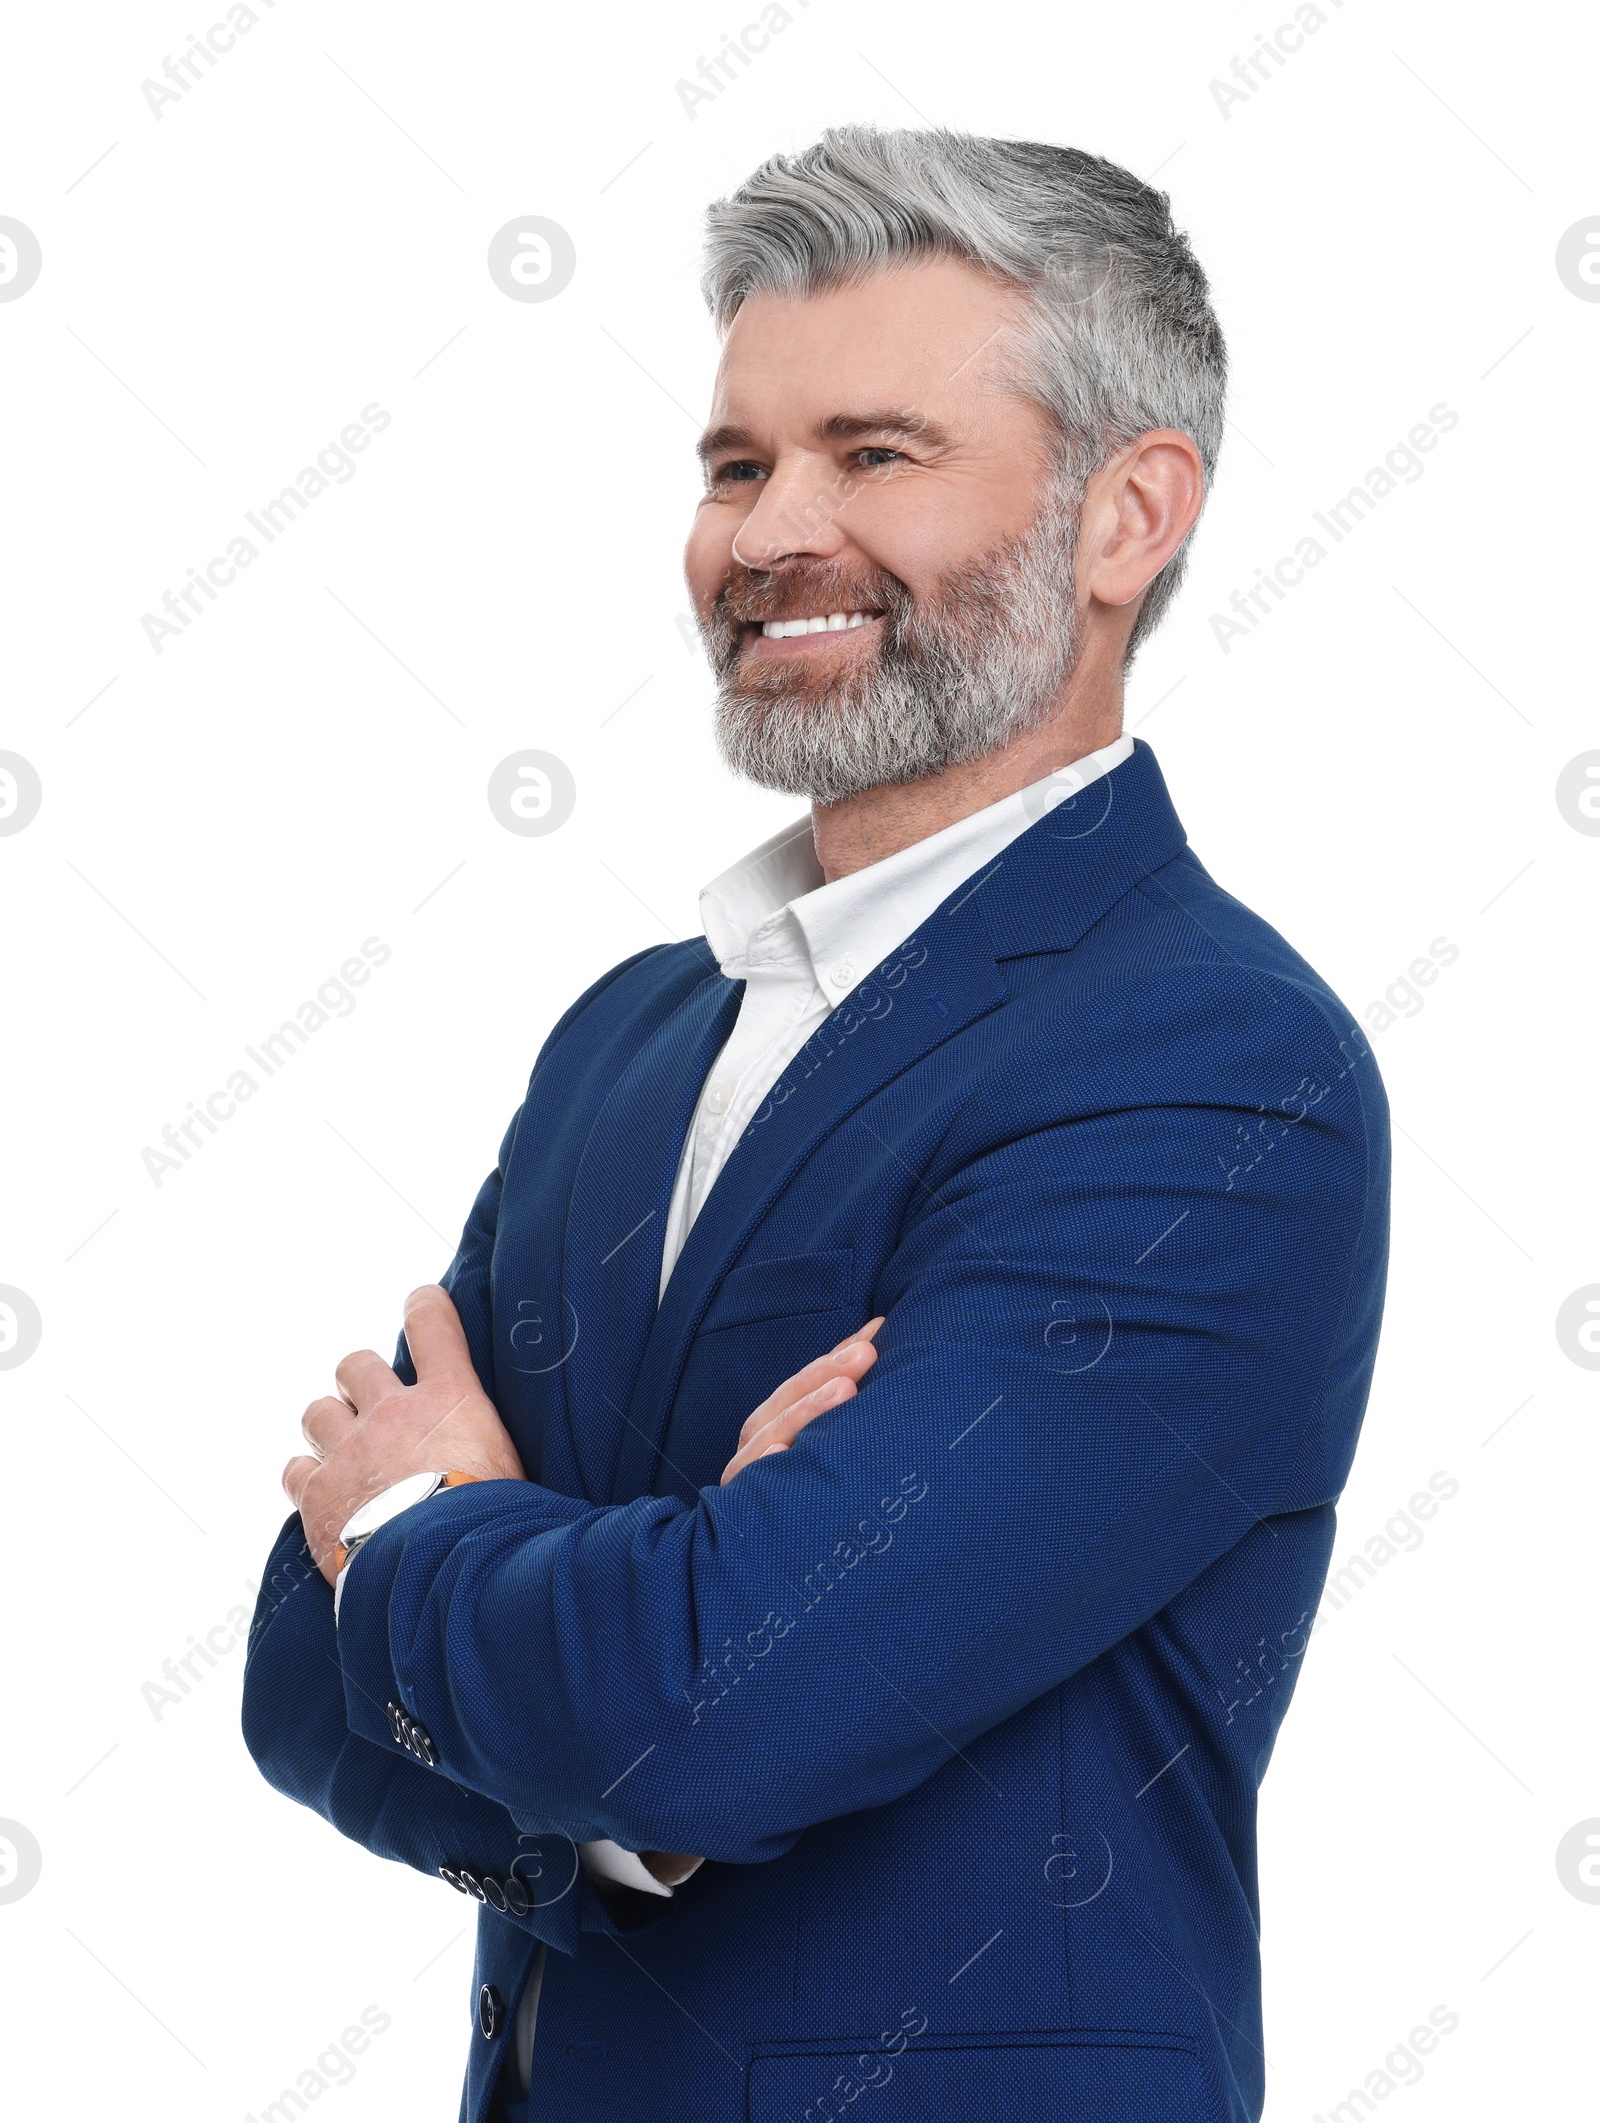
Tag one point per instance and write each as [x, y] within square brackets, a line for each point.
[761, 884]
[848, 927]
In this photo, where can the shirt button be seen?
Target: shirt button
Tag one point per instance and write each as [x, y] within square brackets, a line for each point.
[718, 1098]
[842, 974]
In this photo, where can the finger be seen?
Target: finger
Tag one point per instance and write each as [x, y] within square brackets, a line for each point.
[670, 1867]
[785, 1426]
[437, 1339]
[852, 1359]
[862, 1334]
[296, 1476]
[325, 1423]
[853, 1363]
[364, 1377]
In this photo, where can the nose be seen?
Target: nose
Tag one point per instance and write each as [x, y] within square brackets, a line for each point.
[796, 516]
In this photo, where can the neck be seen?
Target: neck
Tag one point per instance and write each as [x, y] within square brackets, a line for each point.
[859, 830]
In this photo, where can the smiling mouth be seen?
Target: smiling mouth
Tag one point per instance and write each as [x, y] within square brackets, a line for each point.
[787, 636]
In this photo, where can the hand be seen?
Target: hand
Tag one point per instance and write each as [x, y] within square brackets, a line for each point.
[823, 1384]
[378, 1431]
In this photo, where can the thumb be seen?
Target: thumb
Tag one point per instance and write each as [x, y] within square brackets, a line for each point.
[436, 1338]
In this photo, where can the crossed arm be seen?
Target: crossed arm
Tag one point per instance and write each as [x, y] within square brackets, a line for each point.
[1114, 1345]
[376, 1431]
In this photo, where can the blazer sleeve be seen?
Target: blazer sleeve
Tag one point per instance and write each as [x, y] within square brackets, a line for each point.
[1114, 1344]
[296, 1731]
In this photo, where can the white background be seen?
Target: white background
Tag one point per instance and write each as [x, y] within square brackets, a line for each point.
[303, 234]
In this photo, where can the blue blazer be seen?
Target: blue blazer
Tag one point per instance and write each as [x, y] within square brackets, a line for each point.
[966, 1697]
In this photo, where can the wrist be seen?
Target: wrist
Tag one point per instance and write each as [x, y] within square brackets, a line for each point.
[377, 1511]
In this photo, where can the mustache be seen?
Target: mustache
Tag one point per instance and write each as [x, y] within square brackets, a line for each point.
[755, 596]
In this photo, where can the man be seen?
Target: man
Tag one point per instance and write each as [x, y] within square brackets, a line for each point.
[886, 1721]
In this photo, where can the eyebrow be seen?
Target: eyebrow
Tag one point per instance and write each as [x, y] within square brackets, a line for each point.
[903, 421]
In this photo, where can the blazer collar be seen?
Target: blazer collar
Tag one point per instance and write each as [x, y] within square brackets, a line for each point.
[1056, 880]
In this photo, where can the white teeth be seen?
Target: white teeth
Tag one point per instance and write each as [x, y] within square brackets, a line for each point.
[835, 623]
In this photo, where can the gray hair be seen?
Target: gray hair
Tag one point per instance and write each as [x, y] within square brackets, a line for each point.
[1119, 335]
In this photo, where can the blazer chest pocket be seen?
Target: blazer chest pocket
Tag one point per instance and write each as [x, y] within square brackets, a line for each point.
[792, 1287]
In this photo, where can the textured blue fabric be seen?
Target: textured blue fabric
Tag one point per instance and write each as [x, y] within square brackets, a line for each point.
[967, 1696]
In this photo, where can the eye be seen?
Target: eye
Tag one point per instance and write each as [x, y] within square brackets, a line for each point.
[883, 453]
[741, 471]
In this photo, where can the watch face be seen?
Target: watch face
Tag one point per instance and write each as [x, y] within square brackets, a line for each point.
[379, 1509]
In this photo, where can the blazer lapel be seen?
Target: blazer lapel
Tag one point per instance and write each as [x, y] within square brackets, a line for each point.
[929, 988]
[616, 1219]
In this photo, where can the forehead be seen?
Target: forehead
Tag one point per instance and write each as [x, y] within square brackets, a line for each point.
[926, 335]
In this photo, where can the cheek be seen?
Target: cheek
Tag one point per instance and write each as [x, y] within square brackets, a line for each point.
[909, 534]
[926, 529]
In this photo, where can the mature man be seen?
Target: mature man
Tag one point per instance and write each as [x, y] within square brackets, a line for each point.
[883, 1724]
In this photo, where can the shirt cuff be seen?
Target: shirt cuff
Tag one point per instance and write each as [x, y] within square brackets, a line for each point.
[392, 1505]
[609, 1861]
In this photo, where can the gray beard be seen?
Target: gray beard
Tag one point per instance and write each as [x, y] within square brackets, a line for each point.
[981, 662]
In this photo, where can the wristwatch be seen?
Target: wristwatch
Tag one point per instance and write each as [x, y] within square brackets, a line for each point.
[377, 1511]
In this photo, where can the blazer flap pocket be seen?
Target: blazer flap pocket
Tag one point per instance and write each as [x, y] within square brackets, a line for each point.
[779, 1289]
[952, 2078]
